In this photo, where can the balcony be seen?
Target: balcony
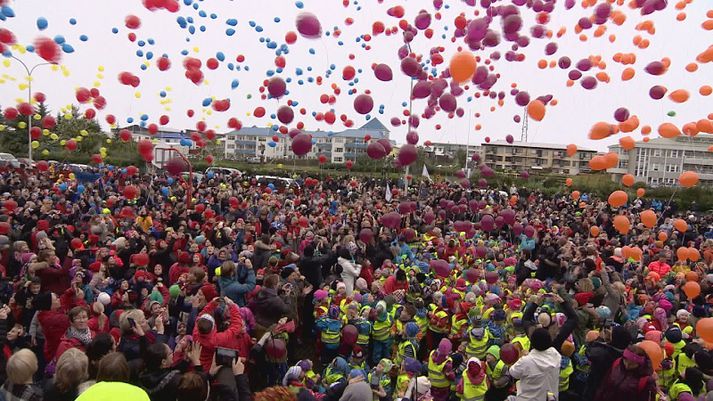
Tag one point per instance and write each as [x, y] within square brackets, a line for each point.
[355, 145]
[243, 142]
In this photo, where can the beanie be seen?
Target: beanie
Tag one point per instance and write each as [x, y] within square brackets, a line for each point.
[423, 385]
[361, 284]
[541, 339]
[411, 329]
[591, 336]
[411, 365]
[494, 350]
[674, 335]
[209, 292]
[620, 337]
[43, 301]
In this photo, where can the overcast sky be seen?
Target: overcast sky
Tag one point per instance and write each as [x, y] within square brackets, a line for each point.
[568, 122]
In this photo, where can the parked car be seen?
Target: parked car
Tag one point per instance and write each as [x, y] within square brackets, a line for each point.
[224, 171]
[8, 160]
[278, 182]
[254, 160]
[25, 162]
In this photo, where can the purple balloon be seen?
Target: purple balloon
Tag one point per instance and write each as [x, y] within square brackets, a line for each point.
[366, 235]
[395, 121]
[588, 82]
[482, 183]
[407, 154]
[499, 222]
[440, 267]
[386, 144]
[568, 4]
[491, 39]
[285, 114]
[574, 75]
[516, 118]
[517, 228]
[301, 144]
[524, 175]
[475, 157]
[477, 29]
[584, 65]
[655, 68]
[487, 223]
[376, 151]
[363, 104]
[410, 67]
[391, 220]
[522, 98]
[551, 48]
[529, 231]
[429, 217]
[308, 25]
[412, 137]
[487, 172]
[509, 139]
[421, 90]
[585, 23]
[508, 216]
[621, 114]
[414, 121]
[293, 133]
[383, 72]
[276, 87]
[538, 31]
[423, 20]
[657, 92]
[564, 62]
[448, 102]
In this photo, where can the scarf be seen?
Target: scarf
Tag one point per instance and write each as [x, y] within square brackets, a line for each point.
[85, 337]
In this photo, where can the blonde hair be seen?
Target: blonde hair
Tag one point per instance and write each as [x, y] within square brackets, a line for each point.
[135, 314]
[21, 366]
[585, 285]
[72, 369]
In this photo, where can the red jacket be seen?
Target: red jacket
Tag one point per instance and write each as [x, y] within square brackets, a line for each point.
[230, 338]
[67, 343]
[391, 285]
[54, 324]
[95, 327]
[175, 272]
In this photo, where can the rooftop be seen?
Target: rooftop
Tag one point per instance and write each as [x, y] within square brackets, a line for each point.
[537, 145]
[374, 128]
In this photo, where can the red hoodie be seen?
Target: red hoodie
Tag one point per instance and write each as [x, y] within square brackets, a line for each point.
[230, 338]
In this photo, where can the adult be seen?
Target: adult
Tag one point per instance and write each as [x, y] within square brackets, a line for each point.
[538, 371]
[237, 281]
[159, 378]
[72, 369]
[629, 378]
[350, 269]
[19, 386]
[78, 335]
[269, 306]
[206, 334]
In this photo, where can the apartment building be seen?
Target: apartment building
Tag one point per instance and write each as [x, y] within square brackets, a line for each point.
[266, 143]
[450, 150]
[530, 156]
[660, 161]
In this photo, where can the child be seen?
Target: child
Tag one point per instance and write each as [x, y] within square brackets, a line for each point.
[380, 380]
[310, 378]
[381, 333]
[330, 328]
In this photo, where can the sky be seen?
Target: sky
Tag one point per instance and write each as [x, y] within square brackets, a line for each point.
[99, 60]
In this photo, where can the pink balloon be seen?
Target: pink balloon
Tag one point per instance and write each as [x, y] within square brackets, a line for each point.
[308, 25]
[363, 104]
[407, 154]
[383, 72]
[386, 144]
[421, 90]
[391, 220]
[529, 231]
[276, 87]
[412, 138]
[410, 67]
[487, 223]
[301, 144]
[376, 151]
[448, 102]
[423, 20]
[440, 267]
[285, 114]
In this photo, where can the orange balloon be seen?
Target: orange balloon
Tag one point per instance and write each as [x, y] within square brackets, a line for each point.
[705, 90]
[692, 289]
[668, 130]
[679, 95]
[708, 25]
[627, 180]
[612, 159]
[690, 129]
[598, 163]
[572, 149]
[600, 130]
[462, 66]
[622, 224]
[694, 255]
[627, 143]
[630, 124]
[688, 179]
[654, 352]
[640, 192]
[627, 74]
[691, 276]
[536, 110]
[542, 64]
[682, 253]
[645, 130]
[594, 231]
[705, 126]
[618, 199]
[649, 218]
[576, 195]
[704, 329]
[691, 67]
[568, 182]
[636, 253]
[680, 225]
[662, 236]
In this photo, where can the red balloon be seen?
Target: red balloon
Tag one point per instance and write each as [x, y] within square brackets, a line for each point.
[48, 50]
[285, 114]
[71, 145]
[10, 205]
[301, 144]
[48, 122]
[132, 22]
[83, 95]
[131, 192]
[141, 259]
[76, 243]
[349, 335]
[5, 227]
[176, 166]
[276, 87]
[25, 109]
[308, 25]
[391, 220]
[163, 63]
[125, 135]
[35, 133]
[376, 151]
[131, 170]
[363, 104]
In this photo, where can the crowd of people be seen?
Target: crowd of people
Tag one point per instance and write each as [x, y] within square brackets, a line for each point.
[116, 285]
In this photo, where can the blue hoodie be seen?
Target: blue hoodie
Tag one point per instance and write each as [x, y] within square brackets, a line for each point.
[232, 287]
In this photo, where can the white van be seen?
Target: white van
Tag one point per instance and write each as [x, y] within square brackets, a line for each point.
[224, 171]
[279, 182]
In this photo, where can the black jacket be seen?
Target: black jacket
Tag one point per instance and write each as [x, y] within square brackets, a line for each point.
[601, 357]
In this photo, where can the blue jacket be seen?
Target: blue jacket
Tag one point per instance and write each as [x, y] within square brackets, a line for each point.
[235, 287]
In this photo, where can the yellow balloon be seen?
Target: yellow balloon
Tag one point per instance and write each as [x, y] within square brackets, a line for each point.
[78, 139]
[102, 149]
[22, 125]
[97, 84]
[2, 128]
[6, 63]
[22, 87]
[54, 137]
[37, 117]
[83, 132]
[196, 49]
[62, 142]
[45, 152]
[67, 116]
[137, 95]
[35, 144]
[55, 67]
[280, 165]
[100, 76]
[168, 89]
[108, 140]
[100, 68]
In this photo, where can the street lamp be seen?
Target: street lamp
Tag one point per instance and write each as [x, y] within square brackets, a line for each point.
[29, 101]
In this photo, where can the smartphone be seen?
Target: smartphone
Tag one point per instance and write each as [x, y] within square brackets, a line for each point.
[132, 322]
[225, 356]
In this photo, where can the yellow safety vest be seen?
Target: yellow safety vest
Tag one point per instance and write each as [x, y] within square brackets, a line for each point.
[422, 323]
[473, 392]
[457, 326]
[678, 348]
[496, 372]
[332, 377]
[683, 362]
[478, 348]
[666, 377]
[436, 329]
[331, 337]
[677, 389]
[402, 382]
[565, 373]
[435, 372]
[401, 352]
[382, 329]
[524, 341]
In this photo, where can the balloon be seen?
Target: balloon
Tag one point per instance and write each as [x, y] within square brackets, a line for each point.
[594, 231]
[48, 50]
[692, 289]
[654, 352]
[285, 114]
[688, 179]
[568, 182]
[349, 335]
[704, 329]
[662, 236]
[694, 255]
[682, 253]
[366, 235]
[363, 104]
[76, 243]
[383, 72]
[131, 192]
[571, 150]
[627, 180]
[529, 231]
[407, 154]
[376, 151]
[308, 25]
[301, 144]
[627, 143]
[276, 87]
[536, 110]
[509, 353]
[622, 224]
[487, 223]
[462, 66]
[440, 267]
[668, 130]
[132, 22]
[648, 217]
[391, 220]
[680, 225]
[141, 259]
[176, 166]
[618, 199]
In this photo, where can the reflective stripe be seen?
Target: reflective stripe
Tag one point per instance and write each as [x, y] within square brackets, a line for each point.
[435, 373]
[330, 337]
[382, 329]
[473, 392]
[477, 348]
[497, 372]
[565, 373]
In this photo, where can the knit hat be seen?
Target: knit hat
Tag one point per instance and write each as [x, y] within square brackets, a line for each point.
[320, 295]
[361, 284]
[357, 352]
[620, 337]
[673, 334]
[156, 296]
[494, 350]
[411, 329]
[43, 301]
[474, 366]
[541, 339]
[209, 292]
[423, 385]
[354, 373]
[591, 336]
[287, 270]
[445, 346]
[387, 364]
[411, 365]
[341, 285]
[567, 348]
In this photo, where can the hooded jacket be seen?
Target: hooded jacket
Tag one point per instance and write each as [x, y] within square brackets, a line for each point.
[230, 338]
[161, 385]
[268, 307]
[538, 373]
[601, 357]
[621, 384]
[233, 288]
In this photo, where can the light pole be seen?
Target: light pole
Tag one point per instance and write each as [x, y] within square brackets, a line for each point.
[29, 72]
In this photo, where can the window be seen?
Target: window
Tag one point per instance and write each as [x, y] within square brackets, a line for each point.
[672, 168]
[673, 153]
[338, 150]
[654, 167]
[338, 159]
[539, 153]
[657, 152]
[622, 164]
[231, 146]
[654, 181]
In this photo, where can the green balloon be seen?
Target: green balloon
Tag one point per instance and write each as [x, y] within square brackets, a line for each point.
[671, 113]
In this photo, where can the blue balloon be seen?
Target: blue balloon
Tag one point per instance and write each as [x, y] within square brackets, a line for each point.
[63, 186]
[187, 2]
[149, 55]
[210, 174]
[271, 144]
[202, 14]
[181, 22]
[202, 28]
[170, 180]
[42, 23]
[59, 39]
[84, 38]
[192, 29]
[114, 30]
[73, 21]
[213, 16]
[162, 94]
[235, 84]
[164, 191]
[232, 22]
[186, 142]
[151, 41]
[144, 117]
[130, 120]
[80, 189]
[207, 101]
[252, 24]
[67, 48]
[277, 19]
[271, 186]
[30, 48]
[143, 67]
[230, 31]
[220, 56]
[299, 4]
[7, 11]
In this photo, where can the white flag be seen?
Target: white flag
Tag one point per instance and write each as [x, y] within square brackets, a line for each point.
[388, 195]
[425, 173]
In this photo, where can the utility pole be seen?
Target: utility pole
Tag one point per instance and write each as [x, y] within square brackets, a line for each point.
[29, 72]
